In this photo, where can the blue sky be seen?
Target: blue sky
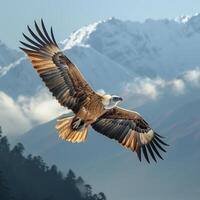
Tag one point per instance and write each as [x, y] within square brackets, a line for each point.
[69, 15]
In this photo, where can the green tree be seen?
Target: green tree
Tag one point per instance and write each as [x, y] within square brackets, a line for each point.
[88, 191]
[4, 189]
[71, 177]
[4, 145]
[80, 180]
[101, 196]
[29, 178]
[18, 149]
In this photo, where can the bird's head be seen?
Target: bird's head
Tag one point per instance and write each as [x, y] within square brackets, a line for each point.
[111, 101]
[117, 99]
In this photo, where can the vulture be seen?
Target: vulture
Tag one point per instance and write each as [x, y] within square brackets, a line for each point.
[91, 109]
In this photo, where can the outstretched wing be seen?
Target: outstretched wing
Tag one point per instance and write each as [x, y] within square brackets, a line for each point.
[60, 75]
[132, 131]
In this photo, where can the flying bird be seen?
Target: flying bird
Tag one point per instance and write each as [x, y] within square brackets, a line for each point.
[91, 109]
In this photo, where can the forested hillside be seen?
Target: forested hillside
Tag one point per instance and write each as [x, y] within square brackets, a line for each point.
[29, 178]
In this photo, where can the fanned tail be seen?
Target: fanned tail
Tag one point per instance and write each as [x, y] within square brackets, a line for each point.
[65, 131]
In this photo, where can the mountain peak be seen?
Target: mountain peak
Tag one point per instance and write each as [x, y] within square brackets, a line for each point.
[187, 18]
[7, 55]
[183, 19]
[112, 20]
[78, 37]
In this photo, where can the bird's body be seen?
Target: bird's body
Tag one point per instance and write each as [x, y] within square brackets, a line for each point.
[90, 108]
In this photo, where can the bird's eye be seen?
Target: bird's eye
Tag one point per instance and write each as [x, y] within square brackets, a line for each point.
[117, 99]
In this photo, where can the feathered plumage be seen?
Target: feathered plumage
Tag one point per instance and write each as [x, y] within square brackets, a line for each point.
[67, 84]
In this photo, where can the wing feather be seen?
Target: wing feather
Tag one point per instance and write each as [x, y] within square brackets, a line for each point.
[46, 33]
[59, 74]
[132, 131]
[145, 153]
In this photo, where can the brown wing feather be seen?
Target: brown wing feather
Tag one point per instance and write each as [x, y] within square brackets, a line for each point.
[130, 130]
[60, 75]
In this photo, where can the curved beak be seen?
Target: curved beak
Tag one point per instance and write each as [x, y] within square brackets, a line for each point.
[116, 98]
[120, 99]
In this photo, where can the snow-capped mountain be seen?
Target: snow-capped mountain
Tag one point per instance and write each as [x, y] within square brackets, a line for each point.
[162, 48]
[21, 79]
[155, 47]
[7, 57]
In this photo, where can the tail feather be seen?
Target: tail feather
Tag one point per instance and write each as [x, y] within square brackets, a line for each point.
[65, 131]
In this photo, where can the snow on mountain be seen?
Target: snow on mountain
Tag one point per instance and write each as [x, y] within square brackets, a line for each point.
[185, 18]
[5, 69]
[162, 48]
[79, 36]
[155, 47]
[21, 79]
[7, 55]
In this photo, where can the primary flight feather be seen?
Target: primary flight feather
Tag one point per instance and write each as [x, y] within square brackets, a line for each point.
[100, 112]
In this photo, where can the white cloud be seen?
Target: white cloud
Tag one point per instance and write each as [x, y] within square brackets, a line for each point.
[17, 117]
[12, 119]
[147, 87]
[152, 88]
[41, 107]
[193, 76]
[178, 86]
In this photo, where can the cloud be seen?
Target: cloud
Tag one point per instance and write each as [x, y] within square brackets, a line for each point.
[12, 119]
[147, 87]
[153, 88]
[17, 117]
[41, 107]
[178, 86]
[193, 76]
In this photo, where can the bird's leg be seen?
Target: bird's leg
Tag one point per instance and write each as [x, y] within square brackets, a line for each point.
[77, 124]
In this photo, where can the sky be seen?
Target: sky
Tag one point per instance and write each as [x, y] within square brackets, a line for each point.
[67, 16]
